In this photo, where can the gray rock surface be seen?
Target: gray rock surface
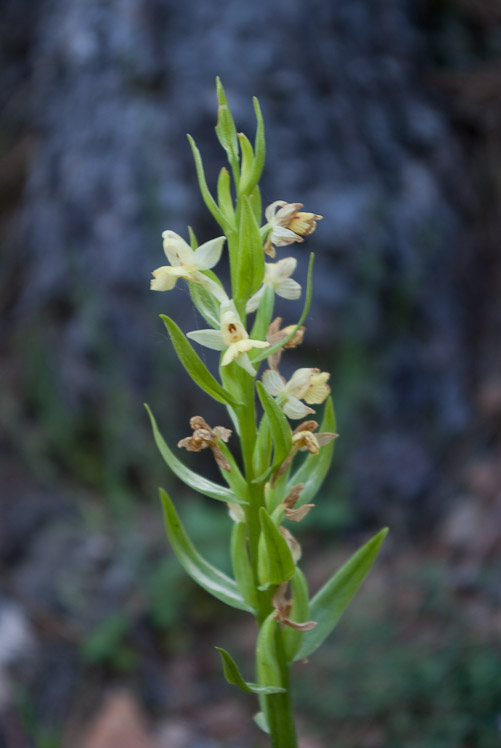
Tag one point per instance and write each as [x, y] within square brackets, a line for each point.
[353, 133]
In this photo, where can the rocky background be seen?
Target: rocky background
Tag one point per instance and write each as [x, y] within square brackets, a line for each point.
[382, 115]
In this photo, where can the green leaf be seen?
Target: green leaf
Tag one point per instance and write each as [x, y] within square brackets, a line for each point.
[193, 239]
[279, 426]
[268, 669]
[262, 450]
[275, 562]
[307, 301]
[300, 613]
[207, 576]
[332, 599]
[194, 365]
[225, 129]
[250, 256]
[255, 201]
[206, 303]
[315, 467]
[261, 722]
[189, 477]
[251, 176]
[224, 196]
[234, 477]
[242, 568]
[247, 164]
[204, 190]
[234, 677]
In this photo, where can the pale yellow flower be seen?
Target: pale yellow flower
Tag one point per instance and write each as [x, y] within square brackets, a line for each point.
[288, 224]
[232, 338]
[277, 277]
[305, 384]
[188, 264]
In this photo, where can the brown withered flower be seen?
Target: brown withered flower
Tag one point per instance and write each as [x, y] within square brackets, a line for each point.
[283, 610]
[303, 439]
[204, 436]
[276, 334]
[288, 225]
[296, 515]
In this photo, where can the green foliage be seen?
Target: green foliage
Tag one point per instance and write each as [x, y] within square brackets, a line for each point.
[331, 600]
[204, 573]
[234, 677]
[275, 562]
[264, 555]
[107, 644]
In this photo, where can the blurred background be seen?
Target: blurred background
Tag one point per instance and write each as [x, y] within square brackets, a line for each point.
[384, 116]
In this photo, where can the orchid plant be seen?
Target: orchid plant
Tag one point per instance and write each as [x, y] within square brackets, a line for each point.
[262, 484]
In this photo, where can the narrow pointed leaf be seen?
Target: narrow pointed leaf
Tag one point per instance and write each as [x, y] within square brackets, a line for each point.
[262, 449]
[315, 467]
[255, 201]
[253, 175]
[275, 562]
[189, 477]
[225, 129]
[242, 569]
[261, 722]
[279, 426]
[332, 599]
[307, 301]
[247, 164]
[204, 190]
[207, 576]
[234, 677]
[206, 303]
[300, 613]
[194, 365]
[224, 196]
[193, 239]
[234, 477]
[268, 669]
[250, 258]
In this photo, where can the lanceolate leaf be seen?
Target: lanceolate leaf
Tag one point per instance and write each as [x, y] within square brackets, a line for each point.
[268, 669]
[275, 562]
[250, 255]
[189, 477]
[332, 599]
[194, 365]
[207, 576]
[224, 197]
[204, 190]
[279, 426]
[225, 129]
[233, 676]
[315, 467]
[252, 175]
[242, 569]
[205, 302]
[307, 301]
[300, 613]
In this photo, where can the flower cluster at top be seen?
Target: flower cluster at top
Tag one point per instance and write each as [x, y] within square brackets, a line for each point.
[286, 224]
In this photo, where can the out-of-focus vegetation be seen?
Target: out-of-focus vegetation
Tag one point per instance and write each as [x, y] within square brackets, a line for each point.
[83, 547]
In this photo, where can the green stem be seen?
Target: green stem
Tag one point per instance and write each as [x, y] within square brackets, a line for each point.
[279, 706]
